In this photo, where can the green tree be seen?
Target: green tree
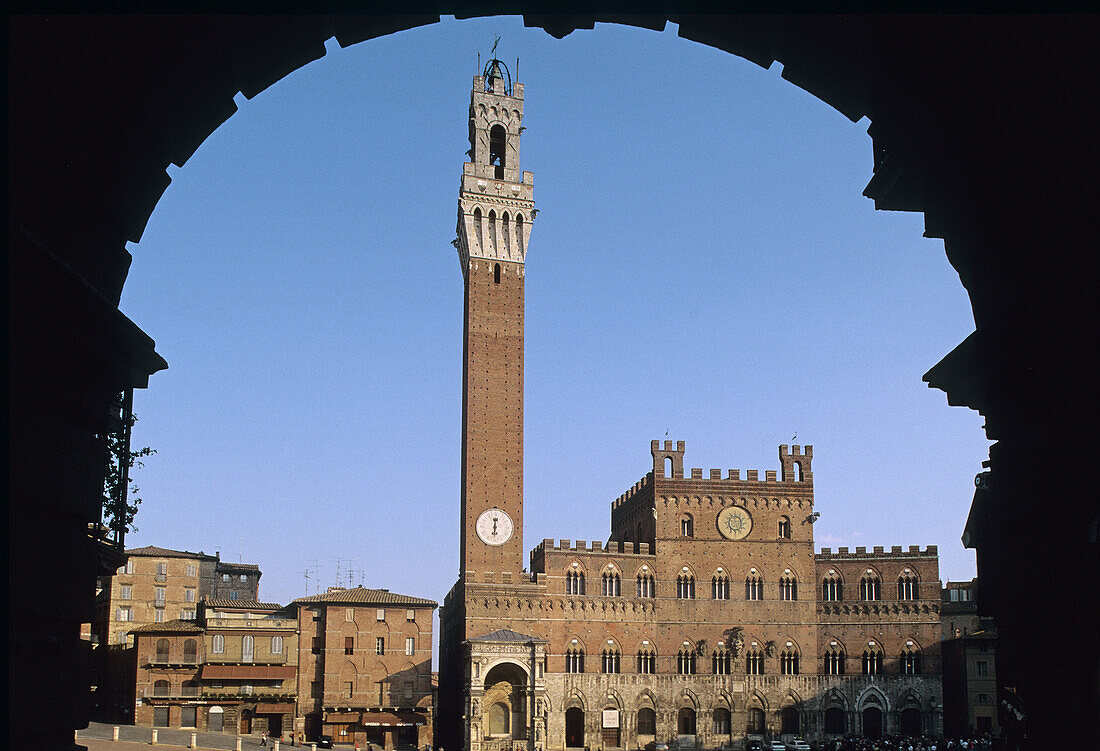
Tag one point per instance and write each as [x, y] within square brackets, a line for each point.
[119, 491]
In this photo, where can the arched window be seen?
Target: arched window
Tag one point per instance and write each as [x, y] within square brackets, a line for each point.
[720, 587]
[872, 660]
[190, 688]
[685, 721]
[610, 660]
[574, 660]
[647, 661]
[612, 584]
[687, 526]
[754, 662]
[754, 588]
[869, 587]
[217, 644]
[162, 650]
[496, 273]
[276, 645]
[647, 721]
[907, 587]
[499, 718]
[574, 583]
[492, 230]
[497, 140]
[755, 725]
[686, 661]
[190, 650]
[909, 662]
[788, 588]
[721, 721]
[246, 648]
[519, 232]
[785, 527]
[833, 661]
[160, 688]
[832, 590]
[645, 585]
[685, 587]
[721, 662]
[788, 662]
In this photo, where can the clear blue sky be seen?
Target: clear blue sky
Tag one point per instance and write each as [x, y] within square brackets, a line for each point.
[703, 264]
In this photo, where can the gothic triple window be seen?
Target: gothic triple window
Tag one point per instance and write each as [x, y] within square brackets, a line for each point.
[686, 661]
[574, 583]
[872, 661]
[833, 662]
[754, 662]
[788, 588]
[720, 587]
[647, 662]
[754, 588]
[870, 588]
[909, 662]
[907, 588]
[574, 660]
[685, 587]
[721, 662]
[646, 585]
[788, 662]
[612, 584]
[832, 589]
[610, 660]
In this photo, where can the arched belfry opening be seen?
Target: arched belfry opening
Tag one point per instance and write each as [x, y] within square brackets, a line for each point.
[498, 143]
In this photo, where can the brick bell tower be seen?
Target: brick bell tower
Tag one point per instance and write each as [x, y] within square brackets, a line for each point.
[495, 212]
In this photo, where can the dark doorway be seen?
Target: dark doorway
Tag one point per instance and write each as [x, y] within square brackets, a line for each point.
[160, 717]
[789, 720]
[685, 721]
[246, 722]
[872, 722]
[909, 721]
[313, 727]
[756, 721]
[835, 721]
[275, 725]
[574, 727]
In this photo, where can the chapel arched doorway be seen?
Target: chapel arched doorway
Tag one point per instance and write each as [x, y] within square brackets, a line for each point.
[574, 727]
[872, 722]
[504, 703]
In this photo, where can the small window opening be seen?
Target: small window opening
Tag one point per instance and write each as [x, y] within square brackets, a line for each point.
[496, 274]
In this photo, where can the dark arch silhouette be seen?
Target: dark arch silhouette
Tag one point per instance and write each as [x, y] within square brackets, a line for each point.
[977, 122]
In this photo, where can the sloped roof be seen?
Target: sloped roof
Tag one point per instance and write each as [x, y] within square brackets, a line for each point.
[364, 596]
[223, 565]
[152, 550]
[223, 602]
[174, 626]
[506, 634]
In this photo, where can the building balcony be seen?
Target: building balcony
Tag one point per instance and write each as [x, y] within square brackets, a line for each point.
[166, 661]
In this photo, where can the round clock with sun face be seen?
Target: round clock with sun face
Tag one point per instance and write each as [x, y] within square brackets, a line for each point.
[494, 527]
[734, 523]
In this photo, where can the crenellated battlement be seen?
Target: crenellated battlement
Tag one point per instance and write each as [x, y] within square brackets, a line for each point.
[877, 551]
[794, 464]
[583, 546]
[633, 491]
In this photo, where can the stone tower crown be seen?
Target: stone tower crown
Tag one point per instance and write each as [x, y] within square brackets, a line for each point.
[496, 200]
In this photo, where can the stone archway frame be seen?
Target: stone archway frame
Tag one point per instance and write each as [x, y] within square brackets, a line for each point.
[505, 651]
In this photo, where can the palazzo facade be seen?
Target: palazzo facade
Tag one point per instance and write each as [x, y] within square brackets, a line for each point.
[706, 618]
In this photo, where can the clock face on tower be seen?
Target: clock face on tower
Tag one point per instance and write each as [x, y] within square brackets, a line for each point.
[494, 527]
[734, 523]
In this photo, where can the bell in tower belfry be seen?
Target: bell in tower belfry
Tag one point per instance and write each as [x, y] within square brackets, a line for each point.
[495, 209]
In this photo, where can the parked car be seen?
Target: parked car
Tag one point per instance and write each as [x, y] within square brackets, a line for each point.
[775, 746]
[754, 745]
[325, 741]
[798, 745]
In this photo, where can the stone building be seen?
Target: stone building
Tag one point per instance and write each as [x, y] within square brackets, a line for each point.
[365, 667]
[970, 686]
[154, 586]
[707, 617]
[232, 669]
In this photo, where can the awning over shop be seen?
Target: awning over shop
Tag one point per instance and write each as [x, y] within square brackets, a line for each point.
[247, 672]
[263, 708]
[391, 719]
[342, 717]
